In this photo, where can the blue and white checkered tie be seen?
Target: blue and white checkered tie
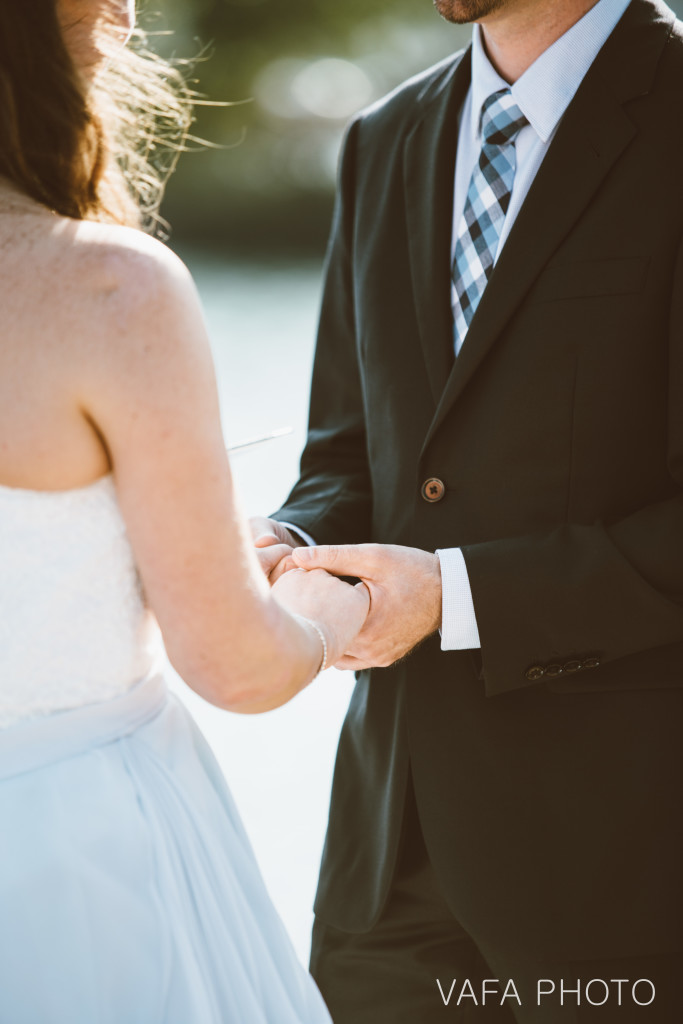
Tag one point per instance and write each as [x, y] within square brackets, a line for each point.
[488, 199]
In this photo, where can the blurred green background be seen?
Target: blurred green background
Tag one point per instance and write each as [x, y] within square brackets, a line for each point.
[295, 71]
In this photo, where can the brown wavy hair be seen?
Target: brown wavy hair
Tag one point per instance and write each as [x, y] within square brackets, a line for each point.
[91, 150]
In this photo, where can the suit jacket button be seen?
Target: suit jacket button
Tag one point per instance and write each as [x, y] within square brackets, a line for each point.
[591, 663]
[433, 489]
[554, 670]
[573, 666]
[535, 672]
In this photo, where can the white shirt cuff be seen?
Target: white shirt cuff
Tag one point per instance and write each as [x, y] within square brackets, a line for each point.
[306, 537]
[459, 630]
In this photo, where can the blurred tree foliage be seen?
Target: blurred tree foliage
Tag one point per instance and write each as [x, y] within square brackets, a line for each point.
[293, 72]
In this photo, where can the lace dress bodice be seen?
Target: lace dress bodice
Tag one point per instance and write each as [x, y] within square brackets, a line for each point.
[74, 628]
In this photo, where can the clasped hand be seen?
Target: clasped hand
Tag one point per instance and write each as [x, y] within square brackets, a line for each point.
[404, 585]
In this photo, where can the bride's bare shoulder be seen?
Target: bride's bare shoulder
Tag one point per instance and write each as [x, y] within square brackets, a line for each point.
[100, 303]
[88, 273]
[125, 288]
[109, 262]
[140, 324]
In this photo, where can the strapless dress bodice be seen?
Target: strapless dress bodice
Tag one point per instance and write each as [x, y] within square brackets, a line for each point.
[74, 627]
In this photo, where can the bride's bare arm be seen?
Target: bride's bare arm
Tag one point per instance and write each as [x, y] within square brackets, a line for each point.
[148, 388]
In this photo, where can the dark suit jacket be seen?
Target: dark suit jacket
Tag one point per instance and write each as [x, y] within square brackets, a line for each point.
[547, 767]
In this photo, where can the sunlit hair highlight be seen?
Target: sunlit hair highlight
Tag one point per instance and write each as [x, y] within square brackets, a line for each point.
[99, 149]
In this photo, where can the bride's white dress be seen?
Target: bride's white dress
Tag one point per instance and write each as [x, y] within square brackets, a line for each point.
[128, 890]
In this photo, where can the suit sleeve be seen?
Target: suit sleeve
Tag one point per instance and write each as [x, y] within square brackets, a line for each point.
[332, 500]
[587, 594]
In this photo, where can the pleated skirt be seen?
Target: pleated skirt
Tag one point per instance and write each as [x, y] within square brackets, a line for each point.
[129, 893]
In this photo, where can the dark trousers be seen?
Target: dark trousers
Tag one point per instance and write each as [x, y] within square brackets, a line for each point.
[389, 974]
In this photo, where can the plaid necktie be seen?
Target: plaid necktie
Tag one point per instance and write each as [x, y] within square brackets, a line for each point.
[488, 199]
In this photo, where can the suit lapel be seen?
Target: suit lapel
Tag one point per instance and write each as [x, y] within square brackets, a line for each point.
[429, 173]
[593, 134]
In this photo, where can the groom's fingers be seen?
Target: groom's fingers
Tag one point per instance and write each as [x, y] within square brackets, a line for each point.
[351, 664]
[355, 560]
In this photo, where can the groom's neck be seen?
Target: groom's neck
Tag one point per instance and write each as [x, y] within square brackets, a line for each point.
[518, 32]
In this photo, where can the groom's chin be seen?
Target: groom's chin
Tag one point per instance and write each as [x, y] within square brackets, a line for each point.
[464, 12]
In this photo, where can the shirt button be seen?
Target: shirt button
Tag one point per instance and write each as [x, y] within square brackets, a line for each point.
[433, 490]
[535, 672]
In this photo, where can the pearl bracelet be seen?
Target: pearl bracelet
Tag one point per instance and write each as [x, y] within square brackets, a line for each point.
[316, 627]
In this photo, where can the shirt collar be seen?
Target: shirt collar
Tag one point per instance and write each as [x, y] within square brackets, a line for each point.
[548, 86]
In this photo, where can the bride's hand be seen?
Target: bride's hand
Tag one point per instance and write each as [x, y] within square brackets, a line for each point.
[337, 607]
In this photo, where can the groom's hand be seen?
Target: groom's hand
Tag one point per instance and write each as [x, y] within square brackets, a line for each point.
[274, 545]
[405, 597]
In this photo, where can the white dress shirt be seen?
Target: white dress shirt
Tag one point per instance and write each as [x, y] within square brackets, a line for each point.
[543, 94]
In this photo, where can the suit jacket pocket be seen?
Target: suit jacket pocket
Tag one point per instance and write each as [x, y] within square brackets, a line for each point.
[593, 278]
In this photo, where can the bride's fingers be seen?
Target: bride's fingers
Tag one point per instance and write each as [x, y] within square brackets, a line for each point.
[259, 526]
[270, 558]
[284, 565]
[266, 540]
